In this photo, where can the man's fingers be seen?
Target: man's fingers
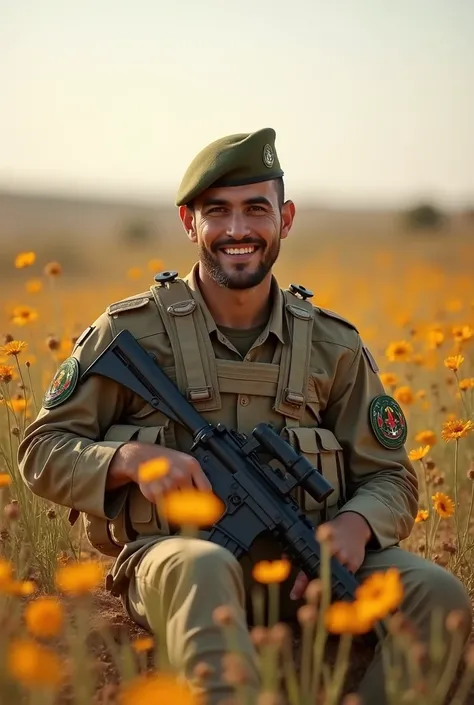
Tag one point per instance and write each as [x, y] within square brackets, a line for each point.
[299, 587]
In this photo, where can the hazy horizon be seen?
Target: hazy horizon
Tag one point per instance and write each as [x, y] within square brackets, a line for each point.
[372, 103]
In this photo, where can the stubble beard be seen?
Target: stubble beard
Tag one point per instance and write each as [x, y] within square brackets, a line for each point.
[239, 278]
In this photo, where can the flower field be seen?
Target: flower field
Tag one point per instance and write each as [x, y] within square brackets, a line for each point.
[64, 640]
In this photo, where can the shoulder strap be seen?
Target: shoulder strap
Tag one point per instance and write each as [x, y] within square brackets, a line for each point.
[196, 369]
[295, 360]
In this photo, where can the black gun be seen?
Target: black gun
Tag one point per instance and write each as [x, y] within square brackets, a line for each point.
[257, 496]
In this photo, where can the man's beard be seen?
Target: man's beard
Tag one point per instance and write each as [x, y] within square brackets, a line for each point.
[239, 278]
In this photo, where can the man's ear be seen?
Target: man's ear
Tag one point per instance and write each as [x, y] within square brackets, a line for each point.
[287, 215]
[187, 218]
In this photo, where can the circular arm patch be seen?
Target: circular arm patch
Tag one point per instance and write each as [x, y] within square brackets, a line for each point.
[388, 422]
[63, 383]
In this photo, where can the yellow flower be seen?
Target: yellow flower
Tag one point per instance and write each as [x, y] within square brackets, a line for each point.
[462, 333]
[21, 588]
[389, 379]
[5, 480]
[146, 643]
[22, 315]
[33, 665]
[443, 504]
[44, 617]
[159, 688]
[13, 348]
[404, 395]
[465, 384]
[347, 618]
[454, 305]
[192, 507]
[381, 593]
[17, 405]
[453, 430]
[134, 273]
[418, 360]
[33, 286]
[454, 362]
[435, 339]
[426, 438]
[419, 453]
[399, 351]
[271, 571]
[155, 265]
[53, 269]
[7, 373]
[24, 259]
[6, 572]
[422, 515]
[153, 469]
[79, 578]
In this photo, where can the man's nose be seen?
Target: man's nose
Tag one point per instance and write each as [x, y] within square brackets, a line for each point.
[237, 226]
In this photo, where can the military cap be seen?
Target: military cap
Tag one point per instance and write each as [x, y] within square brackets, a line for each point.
[234, 160]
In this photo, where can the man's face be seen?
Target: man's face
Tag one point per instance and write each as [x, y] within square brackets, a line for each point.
[238, 232]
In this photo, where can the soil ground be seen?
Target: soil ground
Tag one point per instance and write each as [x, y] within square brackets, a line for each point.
[109, 610]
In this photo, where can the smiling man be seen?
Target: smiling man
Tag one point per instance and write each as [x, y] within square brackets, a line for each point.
[243, 351]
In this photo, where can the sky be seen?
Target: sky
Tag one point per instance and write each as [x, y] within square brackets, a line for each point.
[372, 101]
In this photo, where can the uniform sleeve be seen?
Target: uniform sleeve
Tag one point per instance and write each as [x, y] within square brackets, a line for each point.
[63, 456]
[382, 483]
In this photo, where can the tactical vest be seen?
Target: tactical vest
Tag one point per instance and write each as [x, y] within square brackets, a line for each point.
[203, 380]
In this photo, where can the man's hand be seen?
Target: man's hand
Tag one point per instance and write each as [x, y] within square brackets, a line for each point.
[184, 470]
[347, 537]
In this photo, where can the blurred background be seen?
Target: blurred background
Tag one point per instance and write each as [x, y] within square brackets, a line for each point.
[104, 104]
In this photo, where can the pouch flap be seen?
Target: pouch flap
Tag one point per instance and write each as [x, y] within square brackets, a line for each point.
[327, 439]
[122, 432]
[305, 438]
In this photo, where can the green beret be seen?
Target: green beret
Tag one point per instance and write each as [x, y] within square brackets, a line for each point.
[234, 160]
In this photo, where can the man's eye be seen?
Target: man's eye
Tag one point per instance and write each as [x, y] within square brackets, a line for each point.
[216, 209]
[257, 208]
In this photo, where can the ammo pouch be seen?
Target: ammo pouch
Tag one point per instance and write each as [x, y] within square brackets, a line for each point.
[138, 517]
[321, 447]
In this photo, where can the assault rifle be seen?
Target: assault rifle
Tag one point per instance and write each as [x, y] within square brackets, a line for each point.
[257, 496]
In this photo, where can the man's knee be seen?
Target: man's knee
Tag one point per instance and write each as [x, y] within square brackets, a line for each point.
[201, 561]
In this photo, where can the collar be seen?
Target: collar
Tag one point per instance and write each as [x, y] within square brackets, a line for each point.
[276, 321]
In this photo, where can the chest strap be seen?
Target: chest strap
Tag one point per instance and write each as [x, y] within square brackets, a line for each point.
[293, 380]
[195, 362]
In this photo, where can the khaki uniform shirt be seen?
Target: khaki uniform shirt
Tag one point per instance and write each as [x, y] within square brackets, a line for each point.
[67, 450]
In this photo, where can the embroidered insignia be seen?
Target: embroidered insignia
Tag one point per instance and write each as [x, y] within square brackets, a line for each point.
[388, 422]
[268, 156]
[63, 383]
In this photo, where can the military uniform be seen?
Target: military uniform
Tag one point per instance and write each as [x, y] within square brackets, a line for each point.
[306, 371]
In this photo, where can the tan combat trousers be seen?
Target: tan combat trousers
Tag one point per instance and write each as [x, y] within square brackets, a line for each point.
[179, 583]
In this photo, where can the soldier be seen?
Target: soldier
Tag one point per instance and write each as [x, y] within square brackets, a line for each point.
[242, 350]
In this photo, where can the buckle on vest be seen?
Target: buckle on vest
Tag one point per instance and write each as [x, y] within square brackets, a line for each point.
[199, 393]
[294, 398]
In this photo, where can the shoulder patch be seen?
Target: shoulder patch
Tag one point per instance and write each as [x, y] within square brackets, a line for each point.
[336, 316]
[388, 422]
[63, 383]
[127, 305]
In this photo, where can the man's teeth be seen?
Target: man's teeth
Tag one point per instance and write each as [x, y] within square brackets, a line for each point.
[239, 250]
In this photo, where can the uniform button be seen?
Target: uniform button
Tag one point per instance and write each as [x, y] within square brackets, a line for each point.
[244, 400]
